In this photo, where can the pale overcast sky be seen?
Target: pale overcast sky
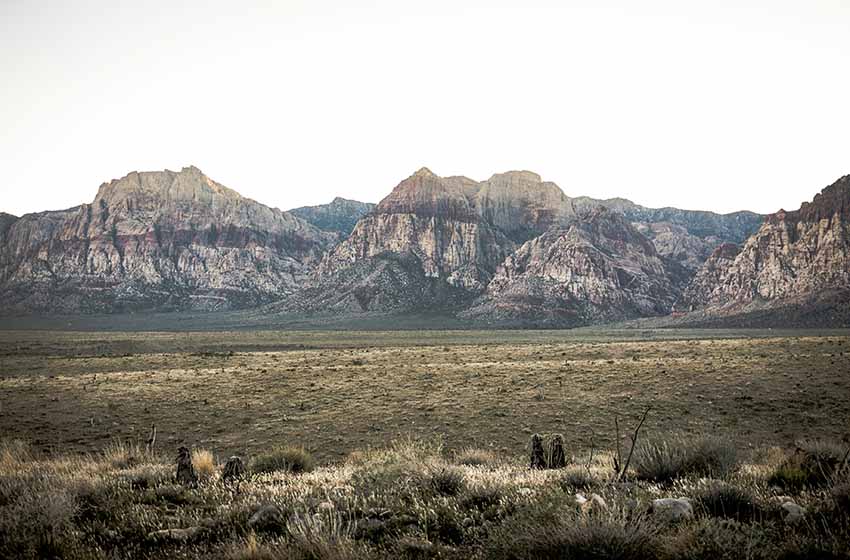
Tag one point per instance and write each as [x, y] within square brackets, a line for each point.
[720, 105]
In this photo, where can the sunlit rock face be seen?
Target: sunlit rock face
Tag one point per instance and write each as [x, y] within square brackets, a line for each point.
[156, 240]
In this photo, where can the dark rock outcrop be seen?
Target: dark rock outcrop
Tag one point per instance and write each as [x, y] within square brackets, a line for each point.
[735, 227]
[339, 216]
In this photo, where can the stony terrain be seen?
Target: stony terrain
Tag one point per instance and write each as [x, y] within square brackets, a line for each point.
[156, 240]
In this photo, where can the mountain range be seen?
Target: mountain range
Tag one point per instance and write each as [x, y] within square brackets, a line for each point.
[512, 250]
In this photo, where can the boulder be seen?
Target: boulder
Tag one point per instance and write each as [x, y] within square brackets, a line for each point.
[174, 535]
[673, 509]
[794, 513]
[266, 518]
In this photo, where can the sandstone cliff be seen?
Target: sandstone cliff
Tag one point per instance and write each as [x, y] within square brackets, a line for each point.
[793, 256]
[598, 269]
[439, 221]
[156, 240]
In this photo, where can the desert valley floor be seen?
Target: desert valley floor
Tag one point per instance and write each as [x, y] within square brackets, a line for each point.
[335, 392]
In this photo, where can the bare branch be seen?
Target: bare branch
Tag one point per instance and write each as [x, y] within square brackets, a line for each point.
[634, 443]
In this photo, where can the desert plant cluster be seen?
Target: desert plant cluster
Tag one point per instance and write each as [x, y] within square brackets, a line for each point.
[680, 499]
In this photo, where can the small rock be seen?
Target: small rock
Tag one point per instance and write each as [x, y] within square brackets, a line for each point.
[525, 491]
[174, 535]
[598, 502]
[267, 517]
[673, 509]
[793, 512]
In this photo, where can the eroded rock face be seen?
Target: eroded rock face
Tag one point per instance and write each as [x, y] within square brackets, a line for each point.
[156, 240]
[685, 238]
[389, 282]
[793, 255]
[522, 205]
[598, 269]
[675, 243]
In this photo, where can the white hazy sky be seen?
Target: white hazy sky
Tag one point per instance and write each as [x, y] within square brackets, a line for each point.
[720, 105]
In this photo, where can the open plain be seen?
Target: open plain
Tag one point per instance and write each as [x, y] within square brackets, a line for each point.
[335, 392]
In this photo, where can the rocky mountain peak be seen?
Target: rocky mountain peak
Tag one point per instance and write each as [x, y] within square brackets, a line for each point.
[516, 177]
[424, 172]
[154, 240]
[153, 187]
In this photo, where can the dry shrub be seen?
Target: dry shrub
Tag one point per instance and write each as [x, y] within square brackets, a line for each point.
[409, 451]
[719, 499]
[124, 455]
[283, 459]
[204, 463]
[37, 519]
[718, 539]
[251, 549]
[13, 453]
[668, 460]
[327, 536]
[814, 464]
[447, 481]
[577, 480]
[543, 531]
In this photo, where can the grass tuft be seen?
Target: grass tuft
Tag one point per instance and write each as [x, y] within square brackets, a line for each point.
[476, 457]
[204, 463]
[283, 459]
